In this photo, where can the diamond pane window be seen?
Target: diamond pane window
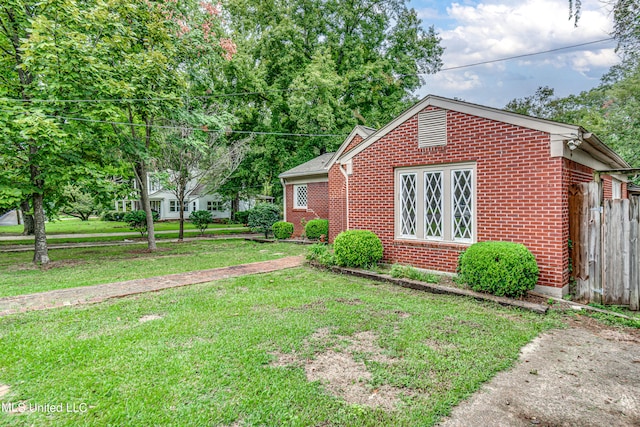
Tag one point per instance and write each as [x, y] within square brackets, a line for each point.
[300, 196]
[408, 204]
[462, 199]
[433, 204]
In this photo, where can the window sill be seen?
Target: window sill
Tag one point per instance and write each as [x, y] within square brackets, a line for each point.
[300, 209]
[435, 244]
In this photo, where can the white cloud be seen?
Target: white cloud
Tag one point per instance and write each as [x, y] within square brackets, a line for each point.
[488, 31]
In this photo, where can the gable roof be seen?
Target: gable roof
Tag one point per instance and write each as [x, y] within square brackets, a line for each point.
[561, 131]
[363, 131]
[316, 166]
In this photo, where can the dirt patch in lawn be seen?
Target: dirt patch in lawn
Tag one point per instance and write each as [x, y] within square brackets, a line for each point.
[48, 266]
[341, 369]
[149, 317]
[4, 390]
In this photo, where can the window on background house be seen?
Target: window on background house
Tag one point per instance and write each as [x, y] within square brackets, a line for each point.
[300, 196]
[216, 205]
[436, 203]
[173, 206]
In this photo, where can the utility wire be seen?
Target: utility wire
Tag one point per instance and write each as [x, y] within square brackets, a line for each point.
[225, 95]
[201, 129]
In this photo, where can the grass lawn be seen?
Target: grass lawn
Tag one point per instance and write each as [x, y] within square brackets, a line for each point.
[91, 266]
[75, 226]
[239, 351]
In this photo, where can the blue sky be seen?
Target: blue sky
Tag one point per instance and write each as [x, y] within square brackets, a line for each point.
[476, 31]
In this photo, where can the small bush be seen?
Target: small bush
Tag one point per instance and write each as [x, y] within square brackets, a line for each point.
[201, 220]
[262, 217]
[282, 229]
[113, 216]
[137, 220]
[241, 217]
[316, 228]
[321, 254]
[406, 272]
[500, 268]
[357, 248]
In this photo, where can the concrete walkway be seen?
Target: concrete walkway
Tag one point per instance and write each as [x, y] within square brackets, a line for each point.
[98, 293]
[29, 248]
[118, 234]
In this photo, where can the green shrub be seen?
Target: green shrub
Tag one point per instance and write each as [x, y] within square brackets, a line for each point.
[201, 220]
[316, 228]
[357, 248]
[282, 229]
[241, 217]
[137, 220]
[321, 254]
[407, 272]
[499, 268]
[113, 216]
[262, 217]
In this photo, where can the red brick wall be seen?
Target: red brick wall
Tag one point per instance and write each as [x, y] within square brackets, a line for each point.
[354, 143]
[520, 193]
[607, 187]
[317, 205]
[337, 202]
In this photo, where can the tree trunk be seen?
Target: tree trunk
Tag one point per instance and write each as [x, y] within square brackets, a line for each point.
[181, 202]
[41, 253]
[141, 177]
[27, 219]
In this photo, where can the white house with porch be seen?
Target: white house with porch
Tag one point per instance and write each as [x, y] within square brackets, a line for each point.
[167, 205]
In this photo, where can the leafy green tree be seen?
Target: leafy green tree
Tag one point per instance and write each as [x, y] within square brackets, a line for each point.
[78, 204]
[262, 217]
[201, 219]
[319, 68]
[192, 160]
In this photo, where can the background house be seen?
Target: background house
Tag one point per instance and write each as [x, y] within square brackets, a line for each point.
[166, 204]
[445, 174]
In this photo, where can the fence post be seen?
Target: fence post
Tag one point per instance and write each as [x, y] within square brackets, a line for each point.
[634, 253]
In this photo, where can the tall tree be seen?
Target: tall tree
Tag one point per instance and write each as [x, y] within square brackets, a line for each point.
[319, 68]
[193, 156]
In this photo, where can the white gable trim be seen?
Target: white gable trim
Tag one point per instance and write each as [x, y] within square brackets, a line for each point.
[559, 132]
[464, 107]
[358, 130]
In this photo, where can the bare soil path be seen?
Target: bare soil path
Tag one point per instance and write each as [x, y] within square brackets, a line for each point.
[98, 293]
[586, 375]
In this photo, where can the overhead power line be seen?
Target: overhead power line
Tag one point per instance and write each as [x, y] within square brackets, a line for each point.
[236, 94]
[201, 129]
[525, 55]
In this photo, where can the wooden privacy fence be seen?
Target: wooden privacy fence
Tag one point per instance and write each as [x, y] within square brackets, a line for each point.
[605, 253]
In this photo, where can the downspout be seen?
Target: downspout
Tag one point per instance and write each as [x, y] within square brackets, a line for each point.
[346, 180]
[284, 197]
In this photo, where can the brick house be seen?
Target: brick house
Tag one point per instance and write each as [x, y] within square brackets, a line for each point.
[445, 174]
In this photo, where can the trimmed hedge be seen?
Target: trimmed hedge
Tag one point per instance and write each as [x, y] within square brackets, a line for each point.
[282, 229]
[316, 228]
[113, 216]
[500, 268]
[357, 248]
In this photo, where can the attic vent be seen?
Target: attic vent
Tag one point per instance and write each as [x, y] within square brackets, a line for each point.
[432, 128]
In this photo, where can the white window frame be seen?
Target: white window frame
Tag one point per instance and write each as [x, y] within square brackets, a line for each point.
[447, 171]
[296, 202]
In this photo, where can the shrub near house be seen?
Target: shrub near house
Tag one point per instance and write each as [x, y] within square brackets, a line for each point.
[357, 248]
[316, 228]
[500, 268]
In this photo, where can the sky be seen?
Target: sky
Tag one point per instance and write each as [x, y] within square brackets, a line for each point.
[476, 31]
